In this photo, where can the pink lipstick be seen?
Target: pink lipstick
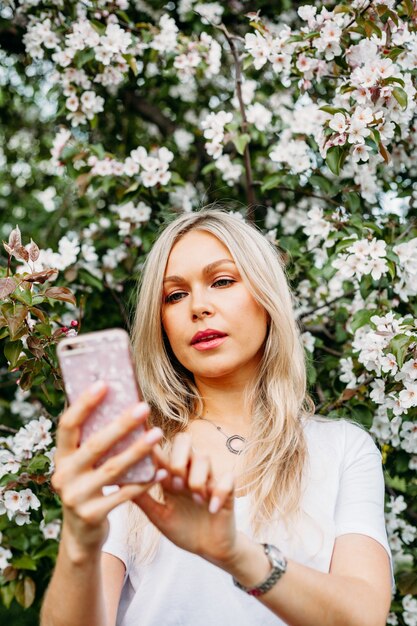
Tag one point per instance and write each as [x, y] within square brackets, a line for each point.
[208, 339]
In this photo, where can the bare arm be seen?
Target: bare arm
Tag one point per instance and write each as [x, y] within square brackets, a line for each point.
[356, 592]
[83, 592]
[79, 592]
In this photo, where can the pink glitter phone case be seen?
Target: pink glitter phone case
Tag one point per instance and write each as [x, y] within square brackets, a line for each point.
[105, 355]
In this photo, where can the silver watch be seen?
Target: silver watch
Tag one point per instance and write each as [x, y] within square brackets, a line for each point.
[279, 567]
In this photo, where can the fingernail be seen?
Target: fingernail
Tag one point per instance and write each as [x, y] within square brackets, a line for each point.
[98, 387]
[197, 498]
[214, 505]
[140, 410]
[154, 435]
[178, 483]
[161, 474]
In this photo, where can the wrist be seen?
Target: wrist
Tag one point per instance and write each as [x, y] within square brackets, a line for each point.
[248, 563]
[78, 552]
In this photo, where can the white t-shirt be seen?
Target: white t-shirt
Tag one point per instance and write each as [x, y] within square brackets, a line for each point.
[344, 494]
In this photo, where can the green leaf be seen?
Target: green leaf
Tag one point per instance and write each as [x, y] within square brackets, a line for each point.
[241, 141]
[247, 63]
[343, 8]
[38, 463]
[24, 296]
[333, 110]
[271, 182]
[397, 483]
[401, 96]
[393, 79]
[7, 593]
[407, 583]
[131, 61]
[361, 318]
[12, 350]
[353, 200]
[81, 58]
[334, 158]
[24, 562]
[49, 550]
[25, 592]
[371, 28]
[91, 280]
[392, 269]
[399, 347]
[321, 182]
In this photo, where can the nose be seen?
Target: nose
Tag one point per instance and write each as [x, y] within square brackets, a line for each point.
[201, 306]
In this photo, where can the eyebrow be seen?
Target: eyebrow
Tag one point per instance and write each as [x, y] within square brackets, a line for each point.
[206, 270]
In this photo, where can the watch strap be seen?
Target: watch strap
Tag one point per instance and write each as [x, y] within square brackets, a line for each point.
[279, 567]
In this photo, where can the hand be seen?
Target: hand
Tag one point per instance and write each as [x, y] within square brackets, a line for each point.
[80, 483]
[197, 514]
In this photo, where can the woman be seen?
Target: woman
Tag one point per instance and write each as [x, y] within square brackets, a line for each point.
[254, 490]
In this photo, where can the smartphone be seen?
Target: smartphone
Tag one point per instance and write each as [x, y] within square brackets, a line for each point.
[105, 355]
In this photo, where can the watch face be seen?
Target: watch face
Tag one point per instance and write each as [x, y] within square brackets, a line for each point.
[277, 557]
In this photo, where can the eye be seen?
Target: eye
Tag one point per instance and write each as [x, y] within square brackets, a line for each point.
[174, 297]
[223, 282]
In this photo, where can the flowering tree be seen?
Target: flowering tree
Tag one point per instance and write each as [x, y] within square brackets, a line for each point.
[119, 115]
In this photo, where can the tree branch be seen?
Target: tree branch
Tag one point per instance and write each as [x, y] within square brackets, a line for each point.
[321, 306]
[347, 394]
[250, 192]
[303, 193]
[362, 12]
[149, 112]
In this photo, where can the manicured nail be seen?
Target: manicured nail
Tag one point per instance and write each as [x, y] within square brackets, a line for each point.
[98, 387]
[178, 483]
[140, 410]
[214, 505]
[154, 435]
[198, 499]
[160, 475]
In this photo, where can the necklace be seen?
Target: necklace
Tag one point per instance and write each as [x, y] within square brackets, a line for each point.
[229, 438]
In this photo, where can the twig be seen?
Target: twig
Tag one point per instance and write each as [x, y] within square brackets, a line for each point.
[364, 10]
[121, 306]
[411, 225]
[344, 397]
[8, 429]
[326, 304]
[331, 351]
[305, 193]
[250, 193]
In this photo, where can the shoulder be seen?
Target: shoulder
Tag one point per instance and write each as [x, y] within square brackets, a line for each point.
[347, 438]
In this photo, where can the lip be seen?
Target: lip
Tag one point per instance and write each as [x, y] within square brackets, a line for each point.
[204, 340]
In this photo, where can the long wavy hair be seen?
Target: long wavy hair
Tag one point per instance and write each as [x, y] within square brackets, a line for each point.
[275, 455]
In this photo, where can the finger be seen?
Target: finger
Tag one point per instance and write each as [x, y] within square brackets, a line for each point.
[154, 511]
[76, 484]
[96, 510]
[113, 468]
[101, 441]
[179, 459]
[68, 429]
[222, 494]
[160, 456]
[199, 476]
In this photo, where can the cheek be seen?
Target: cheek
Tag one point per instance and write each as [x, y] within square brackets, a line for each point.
[172, 329]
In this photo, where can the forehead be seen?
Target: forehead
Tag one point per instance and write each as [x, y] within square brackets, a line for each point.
[194, 250]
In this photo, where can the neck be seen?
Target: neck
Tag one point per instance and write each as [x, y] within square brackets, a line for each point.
[224, 404]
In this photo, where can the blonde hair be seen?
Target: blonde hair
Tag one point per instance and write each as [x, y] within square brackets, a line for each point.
[276, 453]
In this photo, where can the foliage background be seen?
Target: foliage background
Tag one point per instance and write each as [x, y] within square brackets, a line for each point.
[115, 116]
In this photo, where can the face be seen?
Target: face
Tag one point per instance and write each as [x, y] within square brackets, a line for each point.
[215, 327]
